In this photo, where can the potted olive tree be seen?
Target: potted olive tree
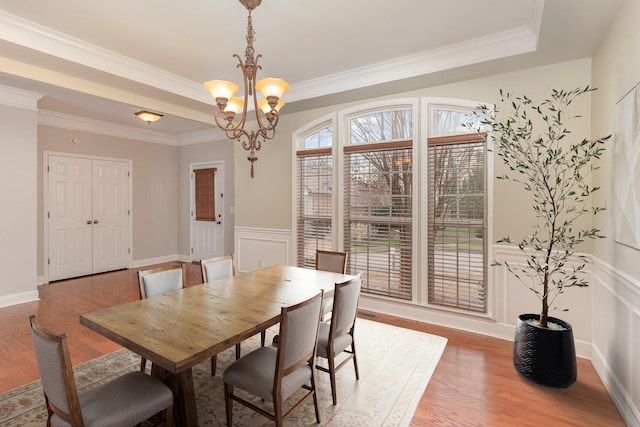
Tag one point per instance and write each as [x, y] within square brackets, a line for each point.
[535, 144]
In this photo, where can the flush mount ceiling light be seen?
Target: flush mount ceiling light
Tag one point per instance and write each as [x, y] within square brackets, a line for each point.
[148, 116]
[232, 112]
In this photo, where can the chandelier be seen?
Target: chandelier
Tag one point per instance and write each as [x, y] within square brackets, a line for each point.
[232, 112]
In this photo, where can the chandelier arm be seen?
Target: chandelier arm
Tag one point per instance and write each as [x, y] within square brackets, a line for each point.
[228, 120]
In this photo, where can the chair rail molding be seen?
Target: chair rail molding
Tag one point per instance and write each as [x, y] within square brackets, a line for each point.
[261, 247]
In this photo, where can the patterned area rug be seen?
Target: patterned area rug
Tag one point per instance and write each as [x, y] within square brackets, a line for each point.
[395, 367]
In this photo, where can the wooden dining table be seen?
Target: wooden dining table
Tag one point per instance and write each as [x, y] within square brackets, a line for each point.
[180, 329]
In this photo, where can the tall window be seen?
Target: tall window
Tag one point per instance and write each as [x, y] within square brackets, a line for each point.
[378, 177]
[456, 214]
[411, 216]
[315, 196]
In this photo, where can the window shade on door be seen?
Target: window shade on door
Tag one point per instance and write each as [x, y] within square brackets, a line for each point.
[314, 208]
[205, 197]
[378, 224]
[456, 205]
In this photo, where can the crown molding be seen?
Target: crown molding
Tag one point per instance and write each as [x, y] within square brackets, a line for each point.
[205, 135]
[19, 98]
[496, 46]
[67, 121]
[42, 39]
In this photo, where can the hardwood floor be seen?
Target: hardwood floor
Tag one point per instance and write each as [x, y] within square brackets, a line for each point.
[474, 384]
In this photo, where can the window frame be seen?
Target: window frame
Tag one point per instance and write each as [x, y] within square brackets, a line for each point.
[427, 105]
[421, 119]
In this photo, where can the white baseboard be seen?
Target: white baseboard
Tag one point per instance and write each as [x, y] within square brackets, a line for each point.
[20, 298]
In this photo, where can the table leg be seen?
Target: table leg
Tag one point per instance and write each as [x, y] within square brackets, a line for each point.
[184, 397]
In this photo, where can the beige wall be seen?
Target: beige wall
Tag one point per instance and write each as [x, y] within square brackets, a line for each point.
[213, 151]
[18, 239]
[154, 186]
[616, 70]
[616, 309]
[266, 201]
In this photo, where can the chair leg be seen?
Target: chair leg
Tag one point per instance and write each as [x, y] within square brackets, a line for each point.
[332, 376]
[355, 360]
[277, 410]
[214, 363]
[143, 364]
[228, 403]
[237, 351]
[315, 394]
[263, 336]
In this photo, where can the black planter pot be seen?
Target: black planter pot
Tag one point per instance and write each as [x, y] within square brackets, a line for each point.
[545, 356]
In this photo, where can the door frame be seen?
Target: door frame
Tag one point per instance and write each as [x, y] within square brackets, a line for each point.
[219, 165]
[45, 202]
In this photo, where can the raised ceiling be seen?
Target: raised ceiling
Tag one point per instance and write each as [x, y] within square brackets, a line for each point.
[106, 59]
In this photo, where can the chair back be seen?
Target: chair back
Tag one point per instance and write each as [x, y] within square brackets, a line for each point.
[335, 262]
[56, 372]
[217, 268]
[298, 335]
[345, 305]
[156, 281]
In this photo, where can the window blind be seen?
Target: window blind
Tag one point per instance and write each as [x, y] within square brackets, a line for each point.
[205, 194]
[457, 224]
[314, 208]
[378, 216]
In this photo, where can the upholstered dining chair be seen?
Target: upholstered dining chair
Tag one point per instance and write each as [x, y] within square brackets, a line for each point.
[335, 262]
[124, 401]
[336, 336]
[214, 269]
[274, 374]
[157, 281]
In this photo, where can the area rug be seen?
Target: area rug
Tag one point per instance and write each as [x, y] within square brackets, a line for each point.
[395, 366]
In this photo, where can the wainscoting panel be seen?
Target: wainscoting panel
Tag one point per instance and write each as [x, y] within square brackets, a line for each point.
[256, 248]
[616, 337]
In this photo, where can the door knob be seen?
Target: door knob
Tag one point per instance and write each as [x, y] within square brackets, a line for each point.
[89, 222]
[95, 222]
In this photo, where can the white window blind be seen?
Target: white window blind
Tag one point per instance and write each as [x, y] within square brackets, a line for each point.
[314, 204]
[457, 223]
[378, 216]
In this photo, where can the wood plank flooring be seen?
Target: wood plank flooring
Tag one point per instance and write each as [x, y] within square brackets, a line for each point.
[474, 384]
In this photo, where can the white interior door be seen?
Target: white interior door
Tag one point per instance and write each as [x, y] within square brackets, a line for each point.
[110, 215]
[88, 216]
[70, 217]
[207, 238]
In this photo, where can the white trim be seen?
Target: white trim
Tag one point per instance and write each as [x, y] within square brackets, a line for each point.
[220, 185]
[261, 247]
[67, 121]
[45, 202]
[18, 98]
[297, 140]
[159, 260]
[19, 298]
[505, 44]
[42, 39]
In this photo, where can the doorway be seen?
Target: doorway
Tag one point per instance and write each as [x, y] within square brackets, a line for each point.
[87, 215]
[207, 207]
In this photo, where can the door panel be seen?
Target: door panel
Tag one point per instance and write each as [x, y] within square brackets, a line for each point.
[88, 216]
[207, 239]
[111, 215]
[70, 217]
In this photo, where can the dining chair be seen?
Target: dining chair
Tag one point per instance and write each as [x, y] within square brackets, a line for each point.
[274, 374]
[214, 269]
[157, 281]
[335, 262]
[336, 336]
[124, 401]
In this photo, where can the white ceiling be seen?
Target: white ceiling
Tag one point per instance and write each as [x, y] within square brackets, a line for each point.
[106, 59]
